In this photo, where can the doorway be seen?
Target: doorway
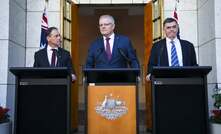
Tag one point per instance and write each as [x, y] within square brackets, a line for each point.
[129, 21]
[134, 21]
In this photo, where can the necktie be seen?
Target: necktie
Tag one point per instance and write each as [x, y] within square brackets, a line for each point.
[53, 57]
[108, 50]
[174, 58]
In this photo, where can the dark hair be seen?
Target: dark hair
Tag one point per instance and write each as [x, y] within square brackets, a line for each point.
[169, 20]
[50, 29]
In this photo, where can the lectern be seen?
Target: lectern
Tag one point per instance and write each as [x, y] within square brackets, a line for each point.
[180, 103]
[42, 102]
[111, 101]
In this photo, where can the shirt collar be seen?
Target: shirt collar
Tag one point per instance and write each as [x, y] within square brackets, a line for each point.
[49, 48]
[168, 40]
[111, 37]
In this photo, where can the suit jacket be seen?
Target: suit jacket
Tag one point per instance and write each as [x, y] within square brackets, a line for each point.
[63, 59]
[159, 56]
[122, 54]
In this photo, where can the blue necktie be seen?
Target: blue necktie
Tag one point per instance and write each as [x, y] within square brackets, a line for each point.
[174, 58]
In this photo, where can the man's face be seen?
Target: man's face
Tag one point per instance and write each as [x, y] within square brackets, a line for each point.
[106, 26]
[54, 39]
[171, 29]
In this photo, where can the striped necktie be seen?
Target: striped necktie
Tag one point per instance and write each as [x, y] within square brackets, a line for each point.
[174, 58]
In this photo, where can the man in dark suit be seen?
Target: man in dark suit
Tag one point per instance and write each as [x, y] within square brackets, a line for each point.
[111, 50]
[53, 55]
[164, 54]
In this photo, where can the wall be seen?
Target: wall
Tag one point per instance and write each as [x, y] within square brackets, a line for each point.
[20, 24]
[110, 1]
[4, 41]
[12, 40]
[209, 42]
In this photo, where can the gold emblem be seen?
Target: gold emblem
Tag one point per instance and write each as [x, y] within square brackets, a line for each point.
[111, 108]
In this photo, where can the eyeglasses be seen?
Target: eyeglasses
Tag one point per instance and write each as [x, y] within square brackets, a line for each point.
[105, 24]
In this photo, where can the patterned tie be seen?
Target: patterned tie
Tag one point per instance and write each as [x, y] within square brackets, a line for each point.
[174, 58]
[53, 57]
[108, 50]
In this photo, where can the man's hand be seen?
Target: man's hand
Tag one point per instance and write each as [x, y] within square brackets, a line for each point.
[148, 77]
[73, 78]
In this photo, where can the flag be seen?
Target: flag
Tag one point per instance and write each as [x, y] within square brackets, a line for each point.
[175, 16]
[44, 28]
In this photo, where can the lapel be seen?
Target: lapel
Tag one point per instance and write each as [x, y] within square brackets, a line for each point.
[115, 45]
[183, 49]
[59, 57]
[101, 47]
[45, 57]
[164, 57]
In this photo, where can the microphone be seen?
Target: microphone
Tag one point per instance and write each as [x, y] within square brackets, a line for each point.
[124, 55]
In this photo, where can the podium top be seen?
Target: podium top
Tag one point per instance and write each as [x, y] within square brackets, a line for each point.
[40, 72]
[111, 75]
[186, 71]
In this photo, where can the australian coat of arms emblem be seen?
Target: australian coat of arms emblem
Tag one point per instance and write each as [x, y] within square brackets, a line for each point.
[111, 108]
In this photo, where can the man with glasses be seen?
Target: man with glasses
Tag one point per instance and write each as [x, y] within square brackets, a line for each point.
[171, 51]
[111, 50]
[53, 55]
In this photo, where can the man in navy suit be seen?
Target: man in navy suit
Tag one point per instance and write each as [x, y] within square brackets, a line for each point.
[53, 55]
[111, 50]
[161, 51]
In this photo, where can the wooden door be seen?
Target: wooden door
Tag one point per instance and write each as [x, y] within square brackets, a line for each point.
[70, 43]
[148, 44]
[152, 33]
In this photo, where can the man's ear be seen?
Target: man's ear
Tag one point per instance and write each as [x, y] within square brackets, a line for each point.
[47, 38]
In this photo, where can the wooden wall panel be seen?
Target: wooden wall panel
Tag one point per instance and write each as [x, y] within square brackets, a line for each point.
[148, 45]
[75, 61]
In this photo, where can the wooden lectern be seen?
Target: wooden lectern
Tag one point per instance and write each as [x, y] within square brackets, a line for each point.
[111, 101]
[42, 100]
[180, 103]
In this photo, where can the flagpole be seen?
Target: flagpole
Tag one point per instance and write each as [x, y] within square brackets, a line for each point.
[175, 16]
[46, 3]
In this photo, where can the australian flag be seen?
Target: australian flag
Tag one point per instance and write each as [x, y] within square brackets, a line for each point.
[44, 28]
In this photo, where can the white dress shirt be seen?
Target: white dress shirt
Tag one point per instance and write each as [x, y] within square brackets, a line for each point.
[178, 50]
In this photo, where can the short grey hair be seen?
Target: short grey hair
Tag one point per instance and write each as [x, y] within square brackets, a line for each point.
[109, 17]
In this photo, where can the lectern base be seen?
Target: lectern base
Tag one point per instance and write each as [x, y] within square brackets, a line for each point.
[112, 110]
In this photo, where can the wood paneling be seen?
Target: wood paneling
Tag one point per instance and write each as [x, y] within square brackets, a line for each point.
[75, 61]
[148, 45]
